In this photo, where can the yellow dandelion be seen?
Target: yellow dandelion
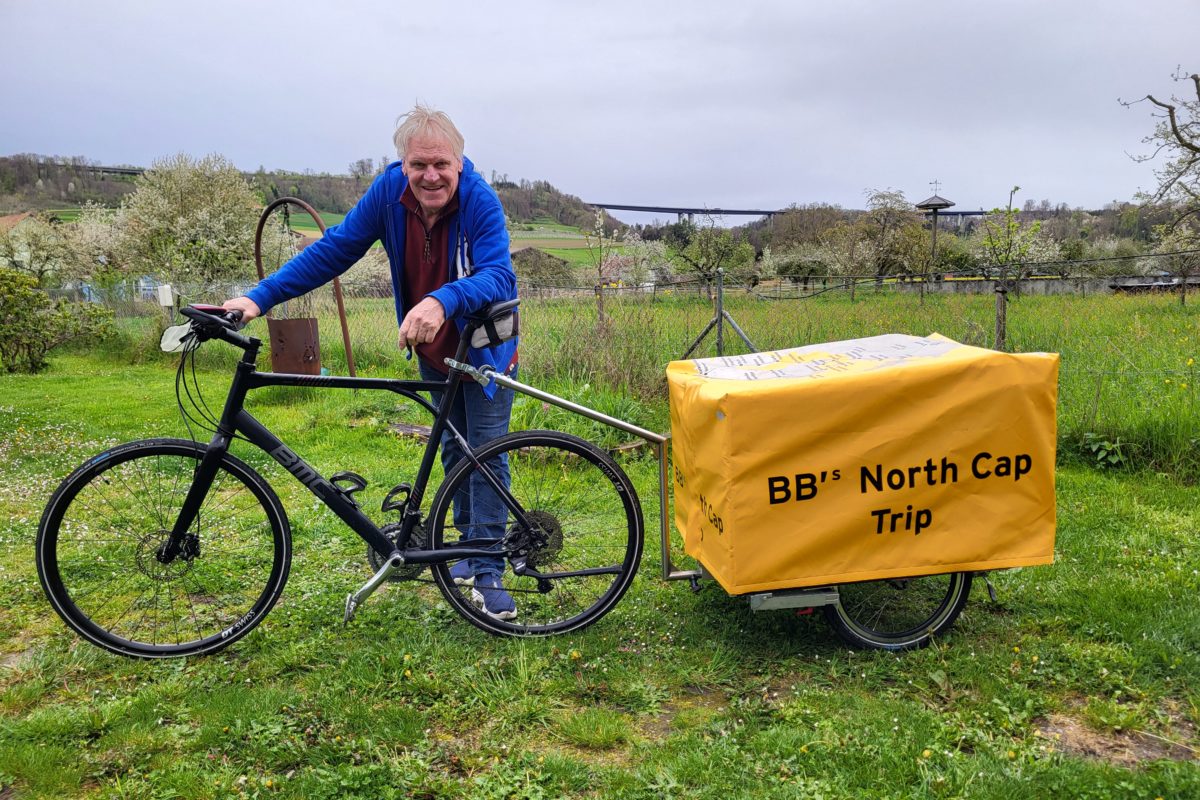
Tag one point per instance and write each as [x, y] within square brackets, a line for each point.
[926, 753]
[1016, 649]
[1191, 361]
[576, 655]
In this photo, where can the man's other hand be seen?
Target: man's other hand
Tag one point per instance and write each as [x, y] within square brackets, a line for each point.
[422, 323]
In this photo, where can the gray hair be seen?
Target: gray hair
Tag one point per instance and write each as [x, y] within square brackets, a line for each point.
[425, 121]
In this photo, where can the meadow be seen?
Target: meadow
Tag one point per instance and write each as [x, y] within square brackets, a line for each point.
[1078, 681]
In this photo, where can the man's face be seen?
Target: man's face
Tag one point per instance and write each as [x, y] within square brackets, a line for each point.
[432, 172]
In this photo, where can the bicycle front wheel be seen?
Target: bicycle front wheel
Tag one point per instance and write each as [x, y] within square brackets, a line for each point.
[899, 613]
[98, 541]
[583, 533]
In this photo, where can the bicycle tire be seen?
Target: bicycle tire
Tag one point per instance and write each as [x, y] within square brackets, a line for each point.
[584, 505]
[898, 614]
[98, 535]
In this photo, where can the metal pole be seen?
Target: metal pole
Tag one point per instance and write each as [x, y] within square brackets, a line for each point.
[739, 331]
[700, 338]
[933, 255]
[720, 316]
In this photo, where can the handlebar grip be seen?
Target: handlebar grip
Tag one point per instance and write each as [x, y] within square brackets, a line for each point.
[225, 315]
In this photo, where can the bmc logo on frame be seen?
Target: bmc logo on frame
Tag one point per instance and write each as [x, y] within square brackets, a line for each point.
[302, 471]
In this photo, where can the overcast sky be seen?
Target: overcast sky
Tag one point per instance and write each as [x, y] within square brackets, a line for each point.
[736, 104]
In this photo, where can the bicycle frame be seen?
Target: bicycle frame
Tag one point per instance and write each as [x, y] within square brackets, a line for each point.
[235, 419]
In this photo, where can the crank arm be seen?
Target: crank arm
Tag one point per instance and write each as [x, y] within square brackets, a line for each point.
[353, 601]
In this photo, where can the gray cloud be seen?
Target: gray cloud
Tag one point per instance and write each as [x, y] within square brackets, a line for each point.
[755, 104]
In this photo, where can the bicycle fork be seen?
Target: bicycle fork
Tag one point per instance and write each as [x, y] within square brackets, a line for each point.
[182, 541]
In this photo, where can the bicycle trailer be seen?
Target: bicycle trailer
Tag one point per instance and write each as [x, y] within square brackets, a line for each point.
[879, 458]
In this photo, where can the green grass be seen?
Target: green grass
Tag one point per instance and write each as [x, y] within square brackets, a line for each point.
[674, 693]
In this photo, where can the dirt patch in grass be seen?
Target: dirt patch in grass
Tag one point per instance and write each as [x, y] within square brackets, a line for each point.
[695, 700]
[10, 661]
[1125, 748]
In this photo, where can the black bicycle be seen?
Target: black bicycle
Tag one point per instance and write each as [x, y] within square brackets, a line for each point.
[173, 547]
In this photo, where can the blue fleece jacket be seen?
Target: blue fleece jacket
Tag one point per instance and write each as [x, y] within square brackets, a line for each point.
[481, 270]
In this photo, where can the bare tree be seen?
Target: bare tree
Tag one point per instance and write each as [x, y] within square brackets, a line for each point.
[1176, 143]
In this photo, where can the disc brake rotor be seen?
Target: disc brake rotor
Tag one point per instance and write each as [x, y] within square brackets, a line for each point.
[148, 563]
[546, 527]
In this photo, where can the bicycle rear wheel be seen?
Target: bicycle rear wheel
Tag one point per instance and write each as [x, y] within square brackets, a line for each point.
[900, 613]
[100, 533]
[585, 535]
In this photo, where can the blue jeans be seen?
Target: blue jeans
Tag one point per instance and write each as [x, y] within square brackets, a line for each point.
[478, 511]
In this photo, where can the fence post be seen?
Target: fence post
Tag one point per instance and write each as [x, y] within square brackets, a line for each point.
[1001, 315]
[720, 317]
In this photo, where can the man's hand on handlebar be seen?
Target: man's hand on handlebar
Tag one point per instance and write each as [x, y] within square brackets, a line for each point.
[248, 307]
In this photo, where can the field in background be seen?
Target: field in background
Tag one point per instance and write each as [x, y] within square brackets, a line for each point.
[301, 221]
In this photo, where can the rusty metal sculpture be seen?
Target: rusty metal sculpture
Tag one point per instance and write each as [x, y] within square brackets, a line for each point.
[294, 342]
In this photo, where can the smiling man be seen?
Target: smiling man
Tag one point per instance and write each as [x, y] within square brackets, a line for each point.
[443, 229]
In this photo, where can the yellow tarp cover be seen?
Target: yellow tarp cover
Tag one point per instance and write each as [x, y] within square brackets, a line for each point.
[872, 458]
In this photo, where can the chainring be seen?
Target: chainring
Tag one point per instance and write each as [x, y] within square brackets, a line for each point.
[407, 572]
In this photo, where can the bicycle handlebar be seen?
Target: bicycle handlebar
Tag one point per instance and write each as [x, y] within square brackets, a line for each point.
[216, 322]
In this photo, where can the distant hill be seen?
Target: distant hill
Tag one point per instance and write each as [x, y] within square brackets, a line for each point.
[33, 182]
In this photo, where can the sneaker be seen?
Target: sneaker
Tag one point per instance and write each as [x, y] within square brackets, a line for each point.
[490, 596]
[462, 573]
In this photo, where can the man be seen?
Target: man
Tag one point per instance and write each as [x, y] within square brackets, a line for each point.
[443, 229]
